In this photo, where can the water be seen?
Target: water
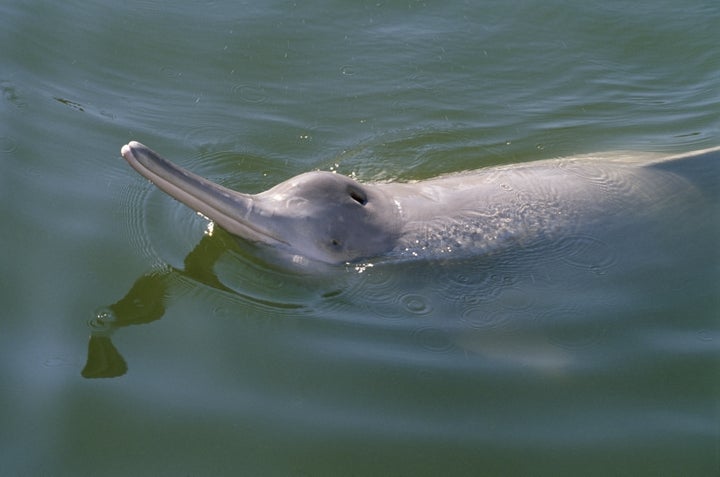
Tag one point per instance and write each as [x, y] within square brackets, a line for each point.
[604, 362]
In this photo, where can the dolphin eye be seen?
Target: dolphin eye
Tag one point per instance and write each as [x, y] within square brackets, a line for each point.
[358, 196]
[335, 242]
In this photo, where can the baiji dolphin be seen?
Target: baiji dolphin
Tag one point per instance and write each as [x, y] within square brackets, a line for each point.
[325, 217]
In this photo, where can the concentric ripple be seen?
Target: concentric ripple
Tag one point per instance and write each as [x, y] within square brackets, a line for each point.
[587, 253]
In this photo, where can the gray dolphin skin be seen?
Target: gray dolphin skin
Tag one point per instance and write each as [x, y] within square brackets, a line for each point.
[327, 217]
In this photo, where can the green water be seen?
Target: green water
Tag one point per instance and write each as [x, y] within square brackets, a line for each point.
[606, 365]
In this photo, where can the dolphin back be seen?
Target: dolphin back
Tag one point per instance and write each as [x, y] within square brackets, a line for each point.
[702, 168]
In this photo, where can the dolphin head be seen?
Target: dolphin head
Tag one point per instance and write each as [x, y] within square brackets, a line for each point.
[316, 216]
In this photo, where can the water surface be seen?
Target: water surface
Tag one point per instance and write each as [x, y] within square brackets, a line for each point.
[602, 360]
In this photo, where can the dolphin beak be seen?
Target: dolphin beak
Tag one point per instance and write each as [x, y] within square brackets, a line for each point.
[232, 210]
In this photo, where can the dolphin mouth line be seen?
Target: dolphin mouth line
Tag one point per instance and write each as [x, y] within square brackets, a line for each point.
[217, 203]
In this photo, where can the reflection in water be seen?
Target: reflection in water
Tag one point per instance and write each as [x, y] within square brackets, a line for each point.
[103, 360]
[144, 303]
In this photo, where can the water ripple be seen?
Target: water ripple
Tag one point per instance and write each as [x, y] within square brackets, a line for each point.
[249, 93]
[433, 339]
[474, 283]
[415, 304]
[132, 202]
[7, 144]
[380, 292]
[587, 253]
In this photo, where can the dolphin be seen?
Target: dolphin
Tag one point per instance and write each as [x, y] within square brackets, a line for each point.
[326, 217]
